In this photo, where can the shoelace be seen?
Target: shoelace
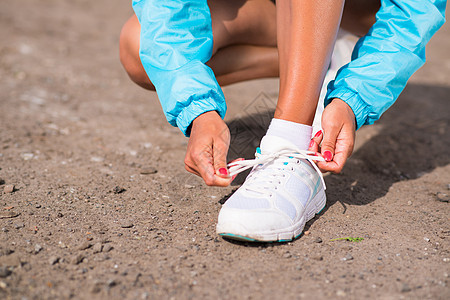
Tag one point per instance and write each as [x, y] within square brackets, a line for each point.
[261, 159]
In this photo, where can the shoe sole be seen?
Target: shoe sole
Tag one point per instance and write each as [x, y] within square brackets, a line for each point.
[316, 205]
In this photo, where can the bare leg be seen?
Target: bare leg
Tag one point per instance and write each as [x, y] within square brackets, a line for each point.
[305, 43]
[244, 42]
[244, 39]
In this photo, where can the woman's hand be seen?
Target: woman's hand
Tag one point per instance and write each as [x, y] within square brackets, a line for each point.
[337, 138]
[207, 149]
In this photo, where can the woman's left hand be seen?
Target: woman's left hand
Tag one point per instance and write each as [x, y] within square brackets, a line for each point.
[337, 138]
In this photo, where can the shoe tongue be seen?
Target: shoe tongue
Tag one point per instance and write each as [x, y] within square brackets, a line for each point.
[271, 144]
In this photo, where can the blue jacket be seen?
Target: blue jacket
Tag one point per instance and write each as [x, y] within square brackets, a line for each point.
[176, 42]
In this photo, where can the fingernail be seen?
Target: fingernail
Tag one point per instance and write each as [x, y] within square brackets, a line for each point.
[318, 133]
[328, 155]
[311, 144]
[223, 171]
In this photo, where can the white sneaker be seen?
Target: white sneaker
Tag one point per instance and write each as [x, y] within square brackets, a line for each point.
[284, 190]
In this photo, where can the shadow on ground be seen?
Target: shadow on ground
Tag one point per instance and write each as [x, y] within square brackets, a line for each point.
[414, 132]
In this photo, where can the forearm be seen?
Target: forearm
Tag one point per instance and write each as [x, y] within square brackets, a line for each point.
[306, 31]
[384, 59]
[175, 43]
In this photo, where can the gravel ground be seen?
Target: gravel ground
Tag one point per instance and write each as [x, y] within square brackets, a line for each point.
[95, 202]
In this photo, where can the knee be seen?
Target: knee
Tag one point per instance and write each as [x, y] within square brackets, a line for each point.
[129, 53]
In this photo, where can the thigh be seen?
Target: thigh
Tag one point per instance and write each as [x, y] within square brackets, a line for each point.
[359, 15]
[248, 22]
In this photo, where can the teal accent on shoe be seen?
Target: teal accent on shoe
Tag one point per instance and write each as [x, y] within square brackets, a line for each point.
[284, 241]
[258, 150]
[296, 237]
[285, 163]
[239, 237]
[316, 187]
[321, 210]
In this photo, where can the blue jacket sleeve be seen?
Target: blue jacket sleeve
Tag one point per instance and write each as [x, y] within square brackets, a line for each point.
[384, 59]
[176, 41]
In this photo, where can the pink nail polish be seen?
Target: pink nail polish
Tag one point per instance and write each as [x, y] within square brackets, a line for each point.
[311, 144]
[328, 155]
[223, 171]
[318, 133]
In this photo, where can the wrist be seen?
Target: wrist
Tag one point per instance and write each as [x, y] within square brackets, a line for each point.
[343, 106]
[206, 116]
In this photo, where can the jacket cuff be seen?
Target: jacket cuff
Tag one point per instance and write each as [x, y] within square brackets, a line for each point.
[360, 108]
[197, 106]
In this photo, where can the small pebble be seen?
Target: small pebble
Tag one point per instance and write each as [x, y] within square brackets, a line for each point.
[53, 260]
[442, 197]
[4, 272]
[347, 257]
[118, 190]
[9, 188]
[8, 214]
[37, 248]
[111, 283]
[84, 246]
[77, 259]
[405, 288]
[96, 288]
[107, 248]
[126, 224]
[7, 251]
[38, 206]
[318, 240]
[19, 225]
[2, 181]
[287, 255]
[409, 202]
[307, 232]
[97, 248]
[426, 239]
[148, 170]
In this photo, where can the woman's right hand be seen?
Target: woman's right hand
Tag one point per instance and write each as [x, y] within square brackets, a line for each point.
[207, 149]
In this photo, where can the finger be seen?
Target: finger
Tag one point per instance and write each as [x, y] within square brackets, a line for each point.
[191, 170]
[230, 164]
[329, 143]
[314, 145]
[319, 155]
[220, 150]
[206, 169]
[335, 165]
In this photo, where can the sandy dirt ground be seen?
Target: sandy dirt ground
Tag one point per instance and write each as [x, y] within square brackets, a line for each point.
[95, 202]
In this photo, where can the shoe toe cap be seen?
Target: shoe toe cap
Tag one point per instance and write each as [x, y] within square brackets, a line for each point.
[251, 223]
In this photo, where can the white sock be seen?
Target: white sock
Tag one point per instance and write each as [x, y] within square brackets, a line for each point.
[296, 133]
